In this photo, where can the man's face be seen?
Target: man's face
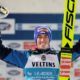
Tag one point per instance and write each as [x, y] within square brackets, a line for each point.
[43, 41]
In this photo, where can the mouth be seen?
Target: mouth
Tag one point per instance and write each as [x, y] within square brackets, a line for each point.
[42, 43]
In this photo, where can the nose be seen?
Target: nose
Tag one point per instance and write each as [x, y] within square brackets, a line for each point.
[42, 39]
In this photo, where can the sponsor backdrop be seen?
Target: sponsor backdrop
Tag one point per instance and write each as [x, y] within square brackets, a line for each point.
[17, 31]
[20, 37]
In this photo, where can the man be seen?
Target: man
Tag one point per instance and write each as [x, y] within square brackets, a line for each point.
[39, 64]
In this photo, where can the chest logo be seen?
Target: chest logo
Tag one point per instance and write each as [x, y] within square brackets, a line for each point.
[43, 57]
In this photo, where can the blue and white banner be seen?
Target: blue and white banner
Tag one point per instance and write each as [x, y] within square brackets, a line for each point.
[41, 73]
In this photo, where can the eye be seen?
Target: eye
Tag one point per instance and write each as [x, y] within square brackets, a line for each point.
[39, 36]
[43, 36]
[46, 36]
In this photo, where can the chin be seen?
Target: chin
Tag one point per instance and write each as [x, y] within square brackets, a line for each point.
[44, 47]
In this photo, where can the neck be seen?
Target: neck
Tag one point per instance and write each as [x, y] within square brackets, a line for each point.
[43, 50]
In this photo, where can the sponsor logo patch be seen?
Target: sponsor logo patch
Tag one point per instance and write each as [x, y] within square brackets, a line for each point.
[5, 26]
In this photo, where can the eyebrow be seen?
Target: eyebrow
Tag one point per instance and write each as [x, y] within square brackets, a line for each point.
[42, 34]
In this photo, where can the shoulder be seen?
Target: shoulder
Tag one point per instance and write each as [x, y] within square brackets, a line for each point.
[53, 51]
[32, 52]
